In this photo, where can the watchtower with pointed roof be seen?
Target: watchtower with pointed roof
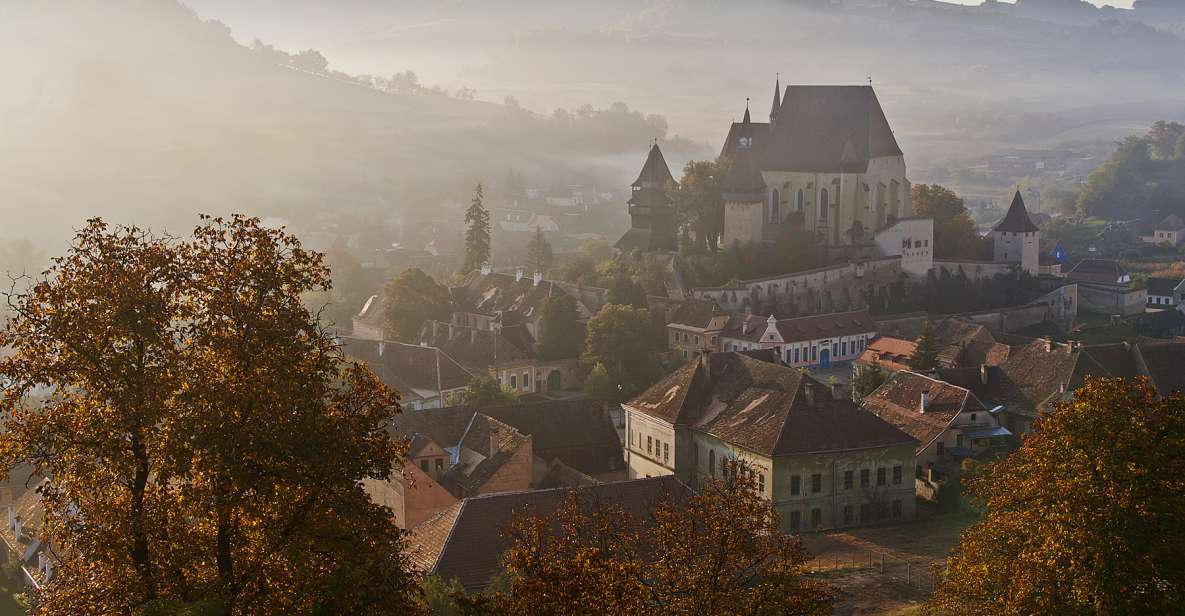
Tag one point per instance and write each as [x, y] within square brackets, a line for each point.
[652, 217]
[1016, 239]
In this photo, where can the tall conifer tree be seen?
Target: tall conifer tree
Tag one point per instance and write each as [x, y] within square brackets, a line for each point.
[477, 232]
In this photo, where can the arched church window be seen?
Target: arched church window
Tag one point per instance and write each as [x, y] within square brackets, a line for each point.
[799, 199]
[824, 204]
[775, 214]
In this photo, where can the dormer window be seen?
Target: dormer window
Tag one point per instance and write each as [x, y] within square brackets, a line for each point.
[745, 142]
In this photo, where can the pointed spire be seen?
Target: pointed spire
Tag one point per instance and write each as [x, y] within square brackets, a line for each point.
[746, 120]
[1017, 219]
[777, 106]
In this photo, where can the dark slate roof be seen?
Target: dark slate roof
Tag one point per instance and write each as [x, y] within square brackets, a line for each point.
[763, 407]
[1172, 222]
[408, 367]
[815, 124]
[1017, 219]
[466, 542]
[478, 349]
[634, 239]
[1162, 286]
[803, 328]
[1032, 378]
[898, 401]
[581, 433]
[777, 104]
[1166, 365]
[744, 174]
[1098, 270]
[496, 293]
[655, 171]
[1117, 358]
[695, 313]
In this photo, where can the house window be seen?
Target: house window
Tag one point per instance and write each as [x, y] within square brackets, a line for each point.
[847, 515]
[880, 476]
[897, 509]
[958, 440]
[814, 353]
[439, 464]
[816, 483]
[864, 474]
[526, 381]
[798, 201]
[824, 202]
[972, 417]
[796, 355]
[424, 465]
[843, 348]
[666, 452]
[795, 520]
[897, 475]
[775, 213]
[513, 382]
[795, 485]
[847, 480]
[865, 513]
[649, 445]
[816, 518]
[761, 483]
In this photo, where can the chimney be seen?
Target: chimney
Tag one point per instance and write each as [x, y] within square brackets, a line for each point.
[486, 270]
[1048, 344]
[382, 346]
[983, 374]
[538, 278]
[16, 529]
[705, 362]
[808, 391]
[925, 405]
[472, 335]
[745, 325]
[518, 275]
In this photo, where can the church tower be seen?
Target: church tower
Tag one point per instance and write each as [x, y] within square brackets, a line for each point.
[652, 217]
[1017, 239]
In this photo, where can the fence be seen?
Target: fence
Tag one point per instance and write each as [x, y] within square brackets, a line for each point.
[914, 575]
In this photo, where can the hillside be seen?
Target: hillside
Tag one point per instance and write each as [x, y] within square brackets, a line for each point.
[141, 112]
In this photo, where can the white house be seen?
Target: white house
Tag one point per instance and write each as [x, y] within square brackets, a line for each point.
[805, 341]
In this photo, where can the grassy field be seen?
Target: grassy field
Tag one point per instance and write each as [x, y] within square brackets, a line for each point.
[852, 561]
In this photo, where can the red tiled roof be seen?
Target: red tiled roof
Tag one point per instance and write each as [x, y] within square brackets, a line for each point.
[891, 353]
[898, 401]
[764, 407]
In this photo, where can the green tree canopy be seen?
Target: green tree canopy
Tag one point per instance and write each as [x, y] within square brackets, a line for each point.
[598, 384]
[699, 205]
[560, 331]
[868, 378]
[540, 257]
[205, 440]
[619, 338]
[477, 232]
[410, 299]
[955, 233]
[925, 357]
[485, 391]
[1085, 518]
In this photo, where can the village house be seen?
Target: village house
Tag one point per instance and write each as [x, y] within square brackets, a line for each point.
[803, 342]
[23, 543]
[508, 354]
[891, 354]
[821, 461]
[1105, 271]
[487, 299]
[1170, 231]
[695, 326]
[424, 376]
[1105, 287]
[458, 452]
[1165, 292]
[948, 421]
[465, 542]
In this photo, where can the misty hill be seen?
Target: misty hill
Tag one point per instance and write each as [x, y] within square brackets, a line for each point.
[139, 111]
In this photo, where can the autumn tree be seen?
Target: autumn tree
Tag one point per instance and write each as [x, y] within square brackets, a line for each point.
[716, 552]
[925, 356]
[868, 379]
[1086, 518]
[598, 384]
[204, 438]
[955, 233]
[410, 299]
[560, 331]
[619, 338]
[477, 232]
[540, 257]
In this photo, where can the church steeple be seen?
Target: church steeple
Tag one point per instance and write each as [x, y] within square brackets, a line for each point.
[777, 106]
[747, 120]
